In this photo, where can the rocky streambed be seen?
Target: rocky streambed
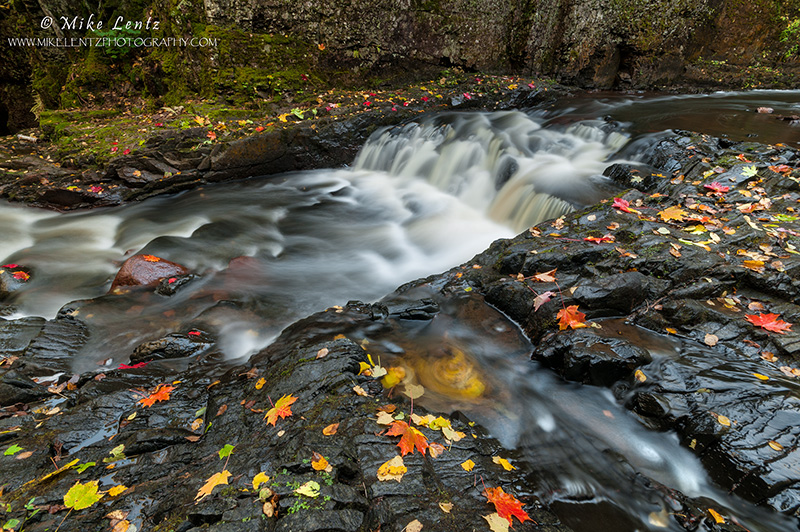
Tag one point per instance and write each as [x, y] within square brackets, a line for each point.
[670, 303]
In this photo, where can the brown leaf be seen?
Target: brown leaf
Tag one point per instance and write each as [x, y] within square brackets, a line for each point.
[222, 410]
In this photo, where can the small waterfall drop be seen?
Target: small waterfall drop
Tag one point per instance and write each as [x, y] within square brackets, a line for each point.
[503, 164]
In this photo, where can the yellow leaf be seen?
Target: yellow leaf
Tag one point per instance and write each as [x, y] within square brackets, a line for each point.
[760, 377]
[724, 421]
[282, 117]
[468, 465]
[309, 489]
[717, 518]
[446, 506]
[331, 429]
[503, 462]
[775, 445]
[393, 469]
[116, 490]
[413, 526]
[82, 496]
[670, 330]
[213, 481]
[121, 526]
[639, 375]
[452, 435]
[260, 383]
[673, 213]
[260, 479]
[496, 523]
[320, 463]
[360, 391]
[414, 391]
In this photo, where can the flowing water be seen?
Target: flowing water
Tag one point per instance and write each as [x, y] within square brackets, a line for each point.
[418, 199]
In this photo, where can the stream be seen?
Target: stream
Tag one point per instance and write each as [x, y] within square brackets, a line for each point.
[418, 199]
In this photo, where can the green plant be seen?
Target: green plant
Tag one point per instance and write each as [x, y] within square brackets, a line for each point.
[791, 33]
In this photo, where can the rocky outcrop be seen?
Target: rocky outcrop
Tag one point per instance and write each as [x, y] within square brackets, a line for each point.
[145, 271]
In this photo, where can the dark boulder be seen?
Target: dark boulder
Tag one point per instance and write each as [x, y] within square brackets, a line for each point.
[145, 270]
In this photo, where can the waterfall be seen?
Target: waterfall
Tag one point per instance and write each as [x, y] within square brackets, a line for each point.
[504, 164]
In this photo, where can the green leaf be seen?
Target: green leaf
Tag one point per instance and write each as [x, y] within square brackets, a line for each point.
[200, 412]
[82, 496]
[298, 113]
[309, 489]
[116, 454]
[83, 467]
[225, 451]
[749, 171]
[10, 524]
[785, 218]
[14, 449]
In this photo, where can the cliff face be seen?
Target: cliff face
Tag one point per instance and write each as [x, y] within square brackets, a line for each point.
[265, 48]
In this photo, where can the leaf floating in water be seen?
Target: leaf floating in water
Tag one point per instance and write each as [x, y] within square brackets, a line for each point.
[760, 377]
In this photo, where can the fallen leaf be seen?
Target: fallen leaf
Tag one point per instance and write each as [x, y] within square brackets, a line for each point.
[411, 438]
[622, 205]
[503, 462]
[393, 469]
[769, 322]
[717, 517]
[226, 451]
[151, 258]
[82, 496]
[571, 317]
[546, 277]
[436, 449]
[496, 523]
[260, 383]
[639, 375]
[360, 391]
[673, 213]
[723, 420]
[599, 239]
[121, 526]
[760, 377]
[23, 456]
[116, 490]
[711, 339]
[413, 526]
[541, 299]
[775, 445]
[213, 481]
[161, 393]
[413, 391]
[322, 352]
[12, 450]
[320, 463]
[446, 506]
[468, 465]
[259, 479]
[309, 489]
[507, 505]
[282, 409]
[331, 429]
[717, 188]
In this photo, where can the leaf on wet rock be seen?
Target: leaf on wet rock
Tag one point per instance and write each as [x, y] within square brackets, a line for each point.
[775, 445]
[360, 391]
[541, 299]
[410, 438]
[723, 420]
[116, 490]
[623, 205]
[12, 450]
[260, 383]
[673, 213]
[82, 496]
[282, 409]
[546, 277]
[226, 451]
[468, 465]
[393, 469]
[413, 526]
[570, 317]
[435, 449]
[331, 429]
[507, 505]
[505, 464]
[770, 322]
[749, 171]
[213, 481]
[259, 479]
[496, 523]
[717, 188]
[322, 352]
[639, 375]
[600, 239]
[717, 517]
[161, 393]
[320, 463]
[309, 489]
[711, 339]
[446, 507]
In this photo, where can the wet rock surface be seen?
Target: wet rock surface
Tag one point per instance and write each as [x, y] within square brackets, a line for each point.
[145, 271]
[665, 295]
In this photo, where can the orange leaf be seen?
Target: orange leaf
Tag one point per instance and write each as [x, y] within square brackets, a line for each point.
[769, 322]
[160, 394]
[215, 480]
[151, 258]
[673, 213]
[599, 239]
[570, 317]
[506, 505]
[282, 409]
[331, 429]
[320, 463]
[411, 438]
[546, 277]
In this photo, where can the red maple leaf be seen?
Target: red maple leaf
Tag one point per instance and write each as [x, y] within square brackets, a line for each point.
[12, 266]
[769, 322]
[411, 438]
[151, 258]
[599, 239]
[281, 409]
[571, 317]
[160, 394]
[506, 505]
[621, 204]
[717, 188]
[20, 276]
[133, 366]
